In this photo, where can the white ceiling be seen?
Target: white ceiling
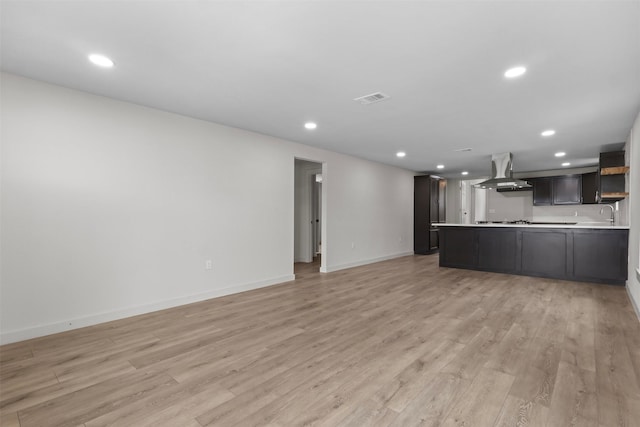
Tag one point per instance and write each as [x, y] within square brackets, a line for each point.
[269, 66]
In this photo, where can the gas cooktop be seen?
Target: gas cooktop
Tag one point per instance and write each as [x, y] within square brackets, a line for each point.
[517, 221]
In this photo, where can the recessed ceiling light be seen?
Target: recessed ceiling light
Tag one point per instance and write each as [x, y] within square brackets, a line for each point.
[549, 132]
[515, 72]
[310, 125]
[401, 154]
[440, 166]
[465, 173]
[560, 154]
[101, 60]
[566, 164]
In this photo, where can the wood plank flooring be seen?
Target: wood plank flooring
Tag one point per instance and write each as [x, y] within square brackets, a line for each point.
[397, 343]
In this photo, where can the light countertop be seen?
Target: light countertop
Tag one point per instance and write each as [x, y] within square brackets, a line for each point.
[501, 225]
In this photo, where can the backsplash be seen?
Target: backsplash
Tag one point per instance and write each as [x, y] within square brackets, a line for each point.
[519, 205]
[509, 206]
[573, 213]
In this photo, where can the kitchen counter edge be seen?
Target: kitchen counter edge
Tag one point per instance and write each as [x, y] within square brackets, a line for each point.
[600, 227]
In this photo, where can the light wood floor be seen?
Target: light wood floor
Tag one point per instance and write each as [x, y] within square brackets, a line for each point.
[397, 343]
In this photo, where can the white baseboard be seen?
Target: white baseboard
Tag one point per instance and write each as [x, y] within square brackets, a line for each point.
[633, 302]
[363, 262]
[81, 322]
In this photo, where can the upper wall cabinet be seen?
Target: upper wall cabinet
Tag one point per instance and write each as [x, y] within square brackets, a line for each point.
[541, 191]
[567, 189]
[557, 190]
[590, 188]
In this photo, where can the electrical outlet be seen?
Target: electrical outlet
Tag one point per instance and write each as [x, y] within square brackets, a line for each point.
[353, 245]
[492, 211]
[208, 264]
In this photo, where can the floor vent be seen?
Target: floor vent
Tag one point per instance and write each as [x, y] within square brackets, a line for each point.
[372, 98]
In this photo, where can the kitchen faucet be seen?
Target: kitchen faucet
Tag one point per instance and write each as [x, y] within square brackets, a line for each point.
[612, 219]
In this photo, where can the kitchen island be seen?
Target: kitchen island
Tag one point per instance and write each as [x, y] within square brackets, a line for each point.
[577, 252]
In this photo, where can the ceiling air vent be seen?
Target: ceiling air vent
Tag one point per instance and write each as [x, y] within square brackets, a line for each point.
[372, 98]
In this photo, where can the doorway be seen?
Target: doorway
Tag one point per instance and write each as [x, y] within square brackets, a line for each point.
[309, 247]
[473, 202]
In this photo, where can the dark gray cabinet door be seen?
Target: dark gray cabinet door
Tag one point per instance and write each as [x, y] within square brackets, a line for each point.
[567, 189]
[442, 200]
[434, 201]
[434, 241]
[428, 209]
[589, 188]
[544, 253]
[541, 191]
[421, 214]
[497, 250]
[600, 255]
[458, 249]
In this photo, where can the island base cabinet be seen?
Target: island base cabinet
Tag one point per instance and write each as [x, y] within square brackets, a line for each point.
[587, 255]
[600, 256]
[458, 249]
[544, 253]
[497, 250]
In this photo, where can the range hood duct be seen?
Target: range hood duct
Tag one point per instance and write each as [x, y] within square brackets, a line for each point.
[502, 174]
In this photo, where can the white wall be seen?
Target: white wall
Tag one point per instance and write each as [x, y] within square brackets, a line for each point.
[633, 280]
[110, 209]
[369, 212]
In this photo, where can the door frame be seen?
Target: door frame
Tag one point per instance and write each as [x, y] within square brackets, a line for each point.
[308, 176]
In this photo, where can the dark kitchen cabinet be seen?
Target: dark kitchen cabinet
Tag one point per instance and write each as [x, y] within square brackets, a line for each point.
[600, 255]
[566, 189]
[459, 249]
[589, 188]
[429, 198]
[557, 190]
[582, 254]
[544, 253]
[497, 249]
[612, 159]
[541, 191]
[434, 204]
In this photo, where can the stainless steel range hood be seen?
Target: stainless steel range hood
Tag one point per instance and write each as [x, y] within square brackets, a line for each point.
[502, 175]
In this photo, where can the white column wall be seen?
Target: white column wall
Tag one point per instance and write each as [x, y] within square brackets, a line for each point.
[633, 280]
